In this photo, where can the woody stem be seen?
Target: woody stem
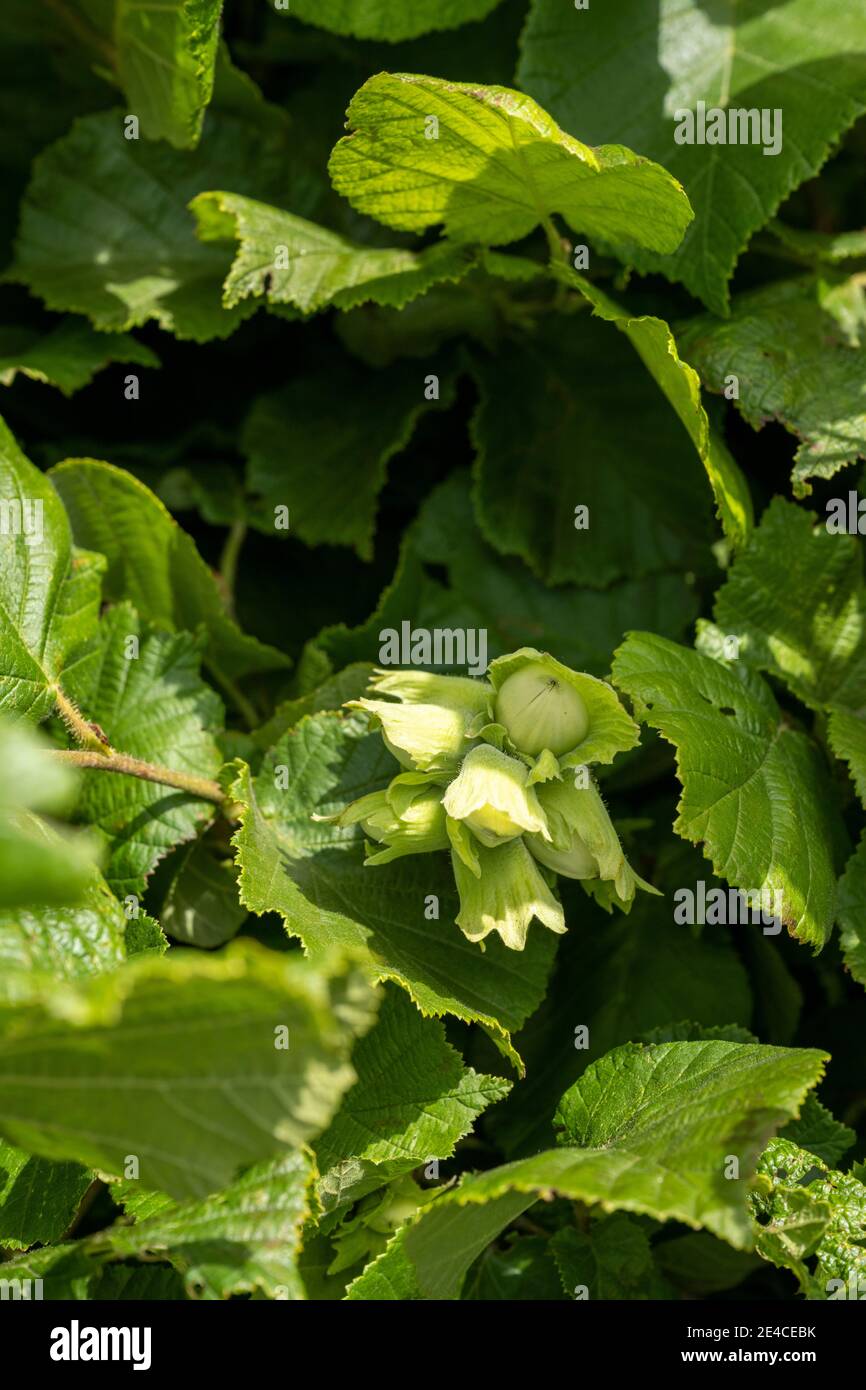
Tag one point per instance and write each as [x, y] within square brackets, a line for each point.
[103, 761]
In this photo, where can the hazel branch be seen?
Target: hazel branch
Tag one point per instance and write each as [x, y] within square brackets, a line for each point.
[203, 787]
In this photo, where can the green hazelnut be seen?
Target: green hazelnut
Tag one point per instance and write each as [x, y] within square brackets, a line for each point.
[539, 710]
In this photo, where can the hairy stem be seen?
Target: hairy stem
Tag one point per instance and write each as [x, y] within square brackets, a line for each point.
[203, 787]
[88, 735]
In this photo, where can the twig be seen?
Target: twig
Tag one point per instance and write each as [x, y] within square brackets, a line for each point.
[203, 787]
